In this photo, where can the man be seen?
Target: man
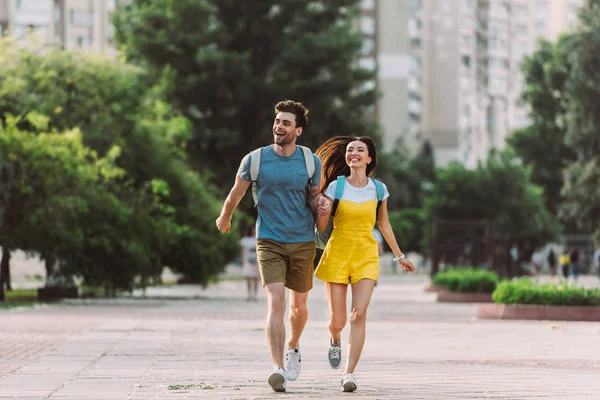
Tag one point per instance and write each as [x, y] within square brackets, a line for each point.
[285, 233]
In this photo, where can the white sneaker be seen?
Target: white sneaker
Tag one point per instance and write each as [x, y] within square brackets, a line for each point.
[292, 364]
[349, 383]
[277, 380]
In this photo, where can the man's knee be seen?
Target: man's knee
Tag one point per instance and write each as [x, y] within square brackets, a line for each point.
[276, 298]
[298, 303]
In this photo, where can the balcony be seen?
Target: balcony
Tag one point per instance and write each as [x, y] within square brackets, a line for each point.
[33, 12]
[414, 107]
[84, 19]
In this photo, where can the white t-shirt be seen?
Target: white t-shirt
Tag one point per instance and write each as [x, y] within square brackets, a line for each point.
[357, 195]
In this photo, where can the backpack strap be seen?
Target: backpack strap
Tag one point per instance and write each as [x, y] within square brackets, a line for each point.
[309, 161]
[254, 167]
[339, 192]
[380, 193]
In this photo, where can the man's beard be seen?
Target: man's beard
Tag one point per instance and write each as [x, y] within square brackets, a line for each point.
[284, 140]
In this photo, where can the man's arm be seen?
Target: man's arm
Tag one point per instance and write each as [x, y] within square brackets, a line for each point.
[313, 203]
[233, 199]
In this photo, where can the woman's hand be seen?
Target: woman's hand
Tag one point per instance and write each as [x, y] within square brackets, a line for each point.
[324, 205]
[407, 265]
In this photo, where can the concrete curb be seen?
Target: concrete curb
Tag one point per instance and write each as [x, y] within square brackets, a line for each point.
[538, 312]
[456, 297]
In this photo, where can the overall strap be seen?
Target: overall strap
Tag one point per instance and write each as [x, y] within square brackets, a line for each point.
[380, 193]
[339, 192]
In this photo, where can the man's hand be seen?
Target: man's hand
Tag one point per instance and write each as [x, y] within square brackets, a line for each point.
[223, 224]
[324, 205]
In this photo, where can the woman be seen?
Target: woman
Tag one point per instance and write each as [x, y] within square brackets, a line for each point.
[351, 255]
[249, 263]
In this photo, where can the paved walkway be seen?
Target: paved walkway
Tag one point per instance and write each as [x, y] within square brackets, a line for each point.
[213, 346]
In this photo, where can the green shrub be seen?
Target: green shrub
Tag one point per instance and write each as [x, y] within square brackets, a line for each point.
[525, 291]
[467, 280]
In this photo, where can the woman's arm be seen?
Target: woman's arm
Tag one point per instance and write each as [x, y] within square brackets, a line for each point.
[390, 238]
[323, 213]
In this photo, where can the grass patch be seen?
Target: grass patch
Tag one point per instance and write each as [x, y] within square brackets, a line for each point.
[20, 295]
[200, 385]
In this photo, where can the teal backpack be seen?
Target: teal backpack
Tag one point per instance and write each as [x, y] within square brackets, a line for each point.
[321, 238]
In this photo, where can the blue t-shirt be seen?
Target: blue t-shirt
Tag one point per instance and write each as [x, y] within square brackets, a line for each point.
[283, 215]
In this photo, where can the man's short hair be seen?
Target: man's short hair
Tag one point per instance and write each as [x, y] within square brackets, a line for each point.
[295, 108]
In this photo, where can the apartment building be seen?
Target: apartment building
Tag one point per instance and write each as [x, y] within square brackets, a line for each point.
[466, 72]
[73, 24]
[387, 48]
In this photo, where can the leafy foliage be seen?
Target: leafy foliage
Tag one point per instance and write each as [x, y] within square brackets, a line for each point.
[525, 291]
[541, 145]
[228, 62]
[499, 191]
[155, 208]
[467, 280]
[582, 91]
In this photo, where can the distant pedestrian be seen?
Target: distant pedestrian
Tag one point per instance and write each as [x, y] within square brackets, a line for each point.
[537, 260]
[596, 258]
[565, 263]
[250, 263]
[575, 264]
[551, 258]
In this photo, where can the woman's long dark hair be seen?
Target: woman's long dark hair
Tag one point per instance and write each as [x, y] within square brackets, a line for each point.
[333, 158]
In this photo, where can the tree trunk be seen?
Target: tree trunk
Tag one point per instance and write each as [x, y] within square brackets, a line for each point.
[5, 268]
[5, 258]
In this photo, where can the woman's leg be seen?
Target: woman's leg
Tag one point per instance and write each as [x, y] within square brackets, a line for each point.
[361, 296]
[255, 287]
[336, 295]
[249, 285]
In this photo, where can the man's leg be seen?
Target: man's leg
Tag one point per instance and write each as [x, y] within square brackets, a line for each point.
[299, 280]
[275, 327]
[298, 317]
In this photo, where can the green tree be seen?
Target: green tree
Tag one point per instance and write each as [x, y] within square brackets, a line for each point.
[541, 145]
[115, 105]
[500, 191]
[582, 178]
[55, 187]
[228, 62]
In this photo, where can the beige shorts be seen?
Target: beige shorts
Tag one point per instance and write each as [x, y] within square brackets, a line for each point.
[289, 263]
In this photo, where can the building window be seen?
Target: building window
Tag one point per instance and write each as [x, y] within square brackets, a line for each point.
[540, 26]
[466, 61]
[367, 25]
[368, 47]
[415, 43]
[19, 4]
[79, 41]
[367, 4]
[521, 10]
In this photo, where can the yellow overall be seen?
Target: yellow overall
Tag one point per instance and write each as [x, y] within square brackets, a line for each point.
[352, 252]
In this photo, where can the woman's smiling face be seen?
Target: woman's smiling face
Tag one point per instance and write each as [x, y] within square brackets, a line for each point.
[357, 154]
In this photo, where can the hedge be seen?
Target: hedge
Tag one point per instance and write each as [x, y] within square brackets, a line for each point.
[525, 291]
[467, 280]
